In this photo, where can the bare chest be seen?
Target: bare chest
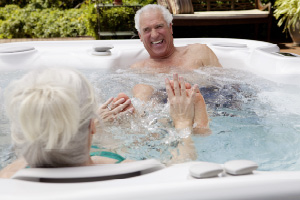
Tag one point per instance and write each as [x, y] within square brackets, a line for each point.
[183, 61]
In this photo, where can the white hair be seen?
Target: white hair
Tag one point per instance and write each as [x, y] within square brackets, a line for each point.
[164, 11]
[50, 112]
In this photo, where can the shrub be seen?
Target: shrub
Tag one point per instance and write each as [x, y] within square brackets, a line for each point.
[63, 4]
[40, 23]
[116, 19]
[20, 3]
[11, 24]
[43, 18]
[288, 13]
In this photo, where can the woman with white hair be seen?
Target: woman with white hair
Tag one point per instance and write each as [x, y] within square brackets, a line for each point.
[52, 113]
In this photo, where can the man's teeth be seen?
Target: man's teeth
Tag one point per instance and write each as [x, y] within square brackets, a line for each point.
[157, 42]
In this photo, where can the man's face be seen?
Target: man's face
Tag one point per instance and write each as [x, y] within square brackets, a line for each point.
[156, 35]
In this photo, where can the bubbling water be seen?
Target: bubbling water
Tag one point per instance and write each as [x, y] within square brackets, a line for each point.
[250, 118]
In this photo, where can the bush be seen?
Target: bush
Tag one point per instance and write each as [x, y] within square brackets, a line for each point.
[11, 24]
[63, 4]
[55, 23]
[117, 19]
[20, 3]
[41, 23]
[41, 19]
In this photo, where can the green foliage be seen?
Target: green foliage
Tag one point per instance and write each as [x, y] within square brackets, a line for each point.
[64, 4]
[46, 18]
[142, 2]
[288, 13]
[40, 23]
[117, 19]
[20, 3]
[131, 2]
[91, 17]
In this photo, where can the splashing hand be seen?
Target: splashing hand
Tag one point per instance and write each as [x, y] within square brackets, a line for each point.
[182, 106]
[114, 108]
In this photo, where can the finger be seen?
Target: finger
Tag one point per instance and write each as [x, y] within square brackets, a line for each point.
[130, 110]
[107, 116]
[187, 85]
[118, 102]
[127, 112]
[121, 107]
[108, 119]
[105, 104]
[169, 88]
[189, 90]
[198, 90]
[121, 95]
[182, 86]
[194, 91]
[176, 85]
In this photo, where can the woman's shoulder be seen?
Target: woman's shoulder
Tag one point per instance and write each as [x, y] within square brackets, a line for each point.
[12, 168]
[106, 157]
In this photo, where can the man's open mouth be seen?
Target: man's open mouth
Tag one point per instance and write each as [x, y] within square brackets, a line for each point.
[157, 42]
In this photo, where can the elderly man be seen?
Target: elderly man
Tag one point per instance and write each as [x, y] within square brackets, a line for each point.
[154, 25]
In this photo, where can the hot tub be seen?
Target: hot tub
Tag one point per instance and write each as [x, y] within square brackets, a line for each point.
[175, 182]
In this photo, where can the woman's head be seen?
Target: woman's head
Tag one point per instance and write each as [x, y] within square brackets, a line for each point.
[50, 112]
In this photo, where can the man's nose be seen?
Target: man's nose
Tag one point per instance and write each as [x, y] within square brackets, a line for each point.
[154, 33]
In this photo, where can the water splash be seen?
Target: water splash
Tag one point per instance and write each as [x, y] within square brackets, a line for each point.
[251, 118]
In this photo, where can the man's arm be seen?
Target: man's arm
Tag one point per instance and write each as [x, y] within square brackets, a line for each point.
[213, 60]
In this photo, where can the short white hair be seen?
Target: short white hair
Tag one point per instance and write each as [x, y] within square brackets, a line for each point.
[164, 11]
[50, 112]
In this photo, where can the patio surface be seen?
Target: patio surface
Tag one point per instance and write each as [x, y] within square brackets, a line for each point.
[284, 47]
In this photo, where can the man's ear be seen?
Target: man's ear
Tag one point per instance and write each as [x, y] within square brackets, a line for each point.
[171, 28]
[140, 36]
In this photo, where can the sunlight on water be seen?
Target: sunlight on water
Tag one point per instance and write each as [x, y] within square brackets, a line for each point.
[251, 118]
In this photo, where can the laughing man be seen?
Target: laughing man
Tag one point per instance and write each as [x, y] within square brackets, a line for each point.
[154, 26]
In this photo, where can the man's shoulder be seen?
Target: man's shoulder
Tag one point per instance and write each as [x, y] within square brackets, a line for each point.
[204, 53]
[197, 46]
[203, 48]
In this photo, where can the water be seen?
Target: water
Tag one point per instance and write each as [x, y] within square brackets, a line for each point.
[251, 118]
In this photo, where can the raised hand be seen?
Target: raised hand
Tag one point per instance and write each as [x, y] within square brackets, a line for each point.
[182, 102]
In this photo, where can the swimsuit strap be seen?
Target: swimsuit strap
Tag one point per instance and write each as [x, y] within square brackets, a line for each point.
[107, 154]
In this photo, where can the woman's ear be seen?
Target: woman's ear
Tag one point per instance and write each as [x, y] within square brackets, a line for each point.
[92, 127]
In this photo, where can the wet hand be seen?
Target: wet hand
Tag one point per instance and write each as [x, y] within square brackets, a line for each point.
[182, 102]
[112, 110]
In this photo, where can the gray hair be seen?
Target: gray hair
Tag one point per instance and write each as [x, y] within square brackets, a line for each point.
[164, 11]
[50, 112]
